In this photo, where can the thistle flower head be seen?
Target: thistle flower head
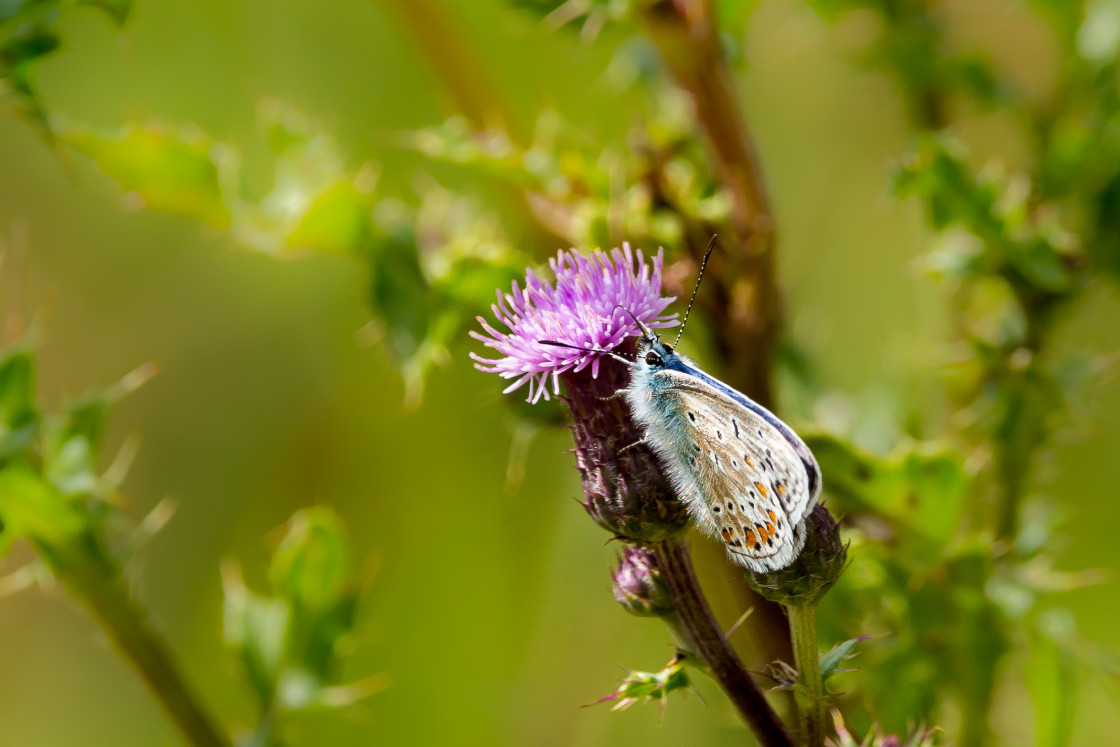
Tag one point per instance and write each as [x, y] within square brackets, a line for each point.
[590, 306]
[586, 308]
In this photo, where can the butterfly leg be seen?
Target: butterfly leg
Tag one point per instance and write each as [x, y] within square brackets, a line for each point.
[617, 395]
[627, 448]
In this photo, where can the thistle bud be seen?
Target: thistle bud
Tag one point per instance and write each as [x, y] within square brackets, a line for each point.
[814, 571]
[638, 586]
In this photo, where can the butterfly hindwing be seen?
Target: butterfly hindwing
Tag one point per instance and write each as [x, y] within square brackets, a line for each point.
[745, 479]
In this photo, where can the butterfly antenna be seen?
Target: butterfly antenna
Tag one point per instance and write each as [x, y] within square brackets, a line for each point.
[555, 344]
[645, 330]
[708, 253]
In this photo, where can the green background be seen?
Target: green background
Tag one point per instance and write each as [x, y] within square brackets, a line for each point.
[492, 612]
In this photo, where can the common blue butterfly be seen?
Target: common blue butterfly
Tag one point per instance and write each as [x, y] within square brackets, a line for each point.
[745, 476]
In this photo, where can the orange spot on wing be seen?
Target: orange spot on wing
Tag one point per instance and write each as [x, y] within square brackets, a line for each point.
[765, 535]
[726, 533]
[749, 462]
[761, 488]
[781, 489]
[751, 539]
[770, 528]
[772, 518]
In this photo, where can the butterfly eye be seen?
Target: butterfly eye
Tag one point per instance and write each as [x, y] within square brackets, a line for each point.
[669, 349]
[653, 359]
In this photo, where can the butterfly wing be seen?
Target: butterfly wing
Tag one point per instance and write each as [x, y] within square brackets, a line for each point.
[744, 477]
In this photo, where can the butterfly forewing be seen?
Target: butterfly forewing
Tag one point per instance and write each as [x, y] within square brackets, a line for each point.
[748, 482]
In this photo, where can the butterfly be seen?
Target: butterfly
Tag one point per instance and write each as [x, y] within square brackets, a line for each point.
[745, 476]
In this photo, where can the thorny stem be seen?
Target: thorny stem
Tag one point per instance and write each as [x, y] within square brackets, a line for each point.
[746, 293]
[95, 580]
[712, 646]
[810, 690]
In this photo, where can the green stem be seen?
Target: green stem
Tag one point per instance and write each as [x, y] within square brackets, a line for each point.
[810, 690]
[712, 646]
[82, 563]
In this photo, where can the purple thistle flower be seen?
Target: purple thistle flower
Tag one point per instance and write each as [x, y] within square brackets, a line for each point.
[584, 309]
[624, 489]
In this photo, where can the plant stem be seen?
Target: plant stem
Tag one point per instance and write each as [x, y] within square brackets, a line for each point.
[676, 567]
[810, 690]
[82, 563]
[746, 292]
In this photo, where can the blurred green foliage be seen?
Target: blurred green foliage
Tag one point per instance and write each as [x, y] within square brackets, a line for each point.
[431, 270]
[291, 644]
[19, 419]
[51, 493]
[29, 32]
[955, 527]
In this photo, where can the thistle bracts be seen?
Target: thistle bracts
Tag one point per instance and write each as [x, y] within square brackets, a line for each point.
[624, 489]
[814, 571]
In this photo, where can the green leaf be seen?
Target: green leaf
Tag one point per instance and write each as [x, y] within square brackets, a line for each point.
[19, 54]
[838, 654]
[310, 568]
[338, 221]
[257, 628]
[72, 440]
[19, 420]
[921, 487]
[29, 505]
[291, 640]
[28, 33]
[399, 290]
[72, 444]
[172, 169]
[937, 172]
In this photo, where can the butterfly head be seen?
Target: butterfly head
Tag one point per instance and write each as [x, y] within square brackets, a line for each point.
[653, 354]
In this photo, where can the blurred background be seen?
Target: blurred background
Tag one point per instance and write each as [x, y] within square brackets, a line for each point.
[491, 612]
